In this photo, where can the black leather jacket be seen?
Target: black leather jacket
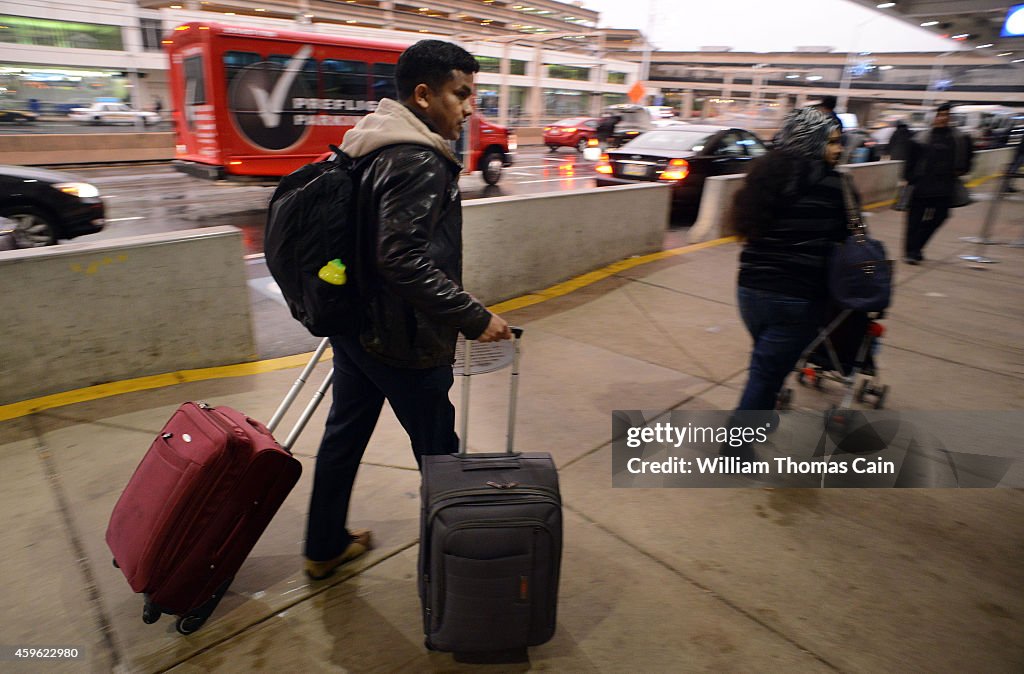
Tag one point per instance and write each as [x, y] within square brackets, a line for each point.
[410, 210]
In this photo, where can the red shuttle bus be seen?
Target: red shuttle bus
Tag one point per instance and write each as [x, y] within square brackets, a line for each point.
[258, 102]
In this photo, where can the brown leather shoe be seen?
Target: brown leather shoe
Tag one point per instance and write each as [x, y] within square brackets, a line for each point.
[359, 545]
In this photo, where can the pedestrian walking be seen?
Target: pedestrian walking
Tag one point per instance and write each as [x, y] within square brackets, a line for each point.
[936, 159]
[606, 130]
[899, 141]
[409, 215]
[791, 214]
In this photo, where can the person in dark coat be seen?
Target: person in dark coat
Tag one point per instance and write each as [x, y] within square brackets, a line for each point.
[791, 213]
[409, 214]
[606, 129]
[898, 142]
[936, 159]
[828, 106]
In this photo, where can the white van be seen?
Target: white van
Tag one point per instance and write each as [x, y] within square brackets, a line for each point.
[989, 126]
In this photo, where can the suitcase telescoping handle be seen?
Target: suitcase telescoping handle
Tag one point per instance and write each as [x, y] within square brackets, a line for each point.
[467, 370]
[300, 425]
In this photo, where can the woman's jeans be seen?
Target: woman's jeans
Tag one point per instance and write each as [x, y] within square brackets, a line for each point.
[782, 327]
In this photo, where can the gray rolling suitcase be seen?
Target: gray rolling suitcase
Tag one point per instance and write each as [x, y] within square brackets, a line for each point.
[490, 541]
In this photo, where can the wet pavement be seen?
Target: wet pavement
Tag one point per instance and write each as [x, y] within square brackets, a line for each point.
[653, 579]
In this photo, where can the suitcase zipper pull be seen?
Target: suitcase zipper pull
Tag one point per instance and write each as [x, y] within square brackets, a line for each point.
[502, 485]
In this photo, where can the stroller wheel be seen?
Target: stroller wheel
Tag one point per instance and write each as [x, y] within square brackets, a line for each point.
[858, 395]
[785, 398]
[880, 400]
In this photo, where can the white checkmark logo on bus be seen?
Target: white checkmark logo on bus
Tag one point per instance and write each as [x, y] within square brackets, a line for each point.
[270, 105]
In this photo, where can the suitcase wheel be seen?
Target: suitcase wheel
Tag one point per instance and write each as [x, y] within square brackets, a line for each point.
[150, 614]
[429, 646]
[116, 565]
[190, 623]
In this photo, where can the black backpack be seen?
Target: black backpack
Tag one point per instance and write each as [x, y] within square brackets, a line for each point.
[311, 223]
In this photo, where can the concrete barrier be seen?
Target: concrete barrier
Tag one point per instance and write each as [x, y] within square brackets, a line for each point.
[81, 314]
[516, 245]
[875, 182]
[84, 148]
[991, 162]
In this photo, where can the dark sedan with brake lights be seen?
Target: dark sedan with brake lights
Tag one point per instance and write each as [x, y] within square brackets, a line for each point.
[683, 156]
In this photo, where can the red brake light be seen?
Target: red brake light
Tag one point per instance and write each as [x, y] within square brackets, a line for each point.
[604, 165]
[677, 170]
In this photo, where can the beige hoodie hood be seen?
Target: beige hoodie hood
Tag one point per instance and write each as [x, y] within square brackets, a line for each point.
[390, 124]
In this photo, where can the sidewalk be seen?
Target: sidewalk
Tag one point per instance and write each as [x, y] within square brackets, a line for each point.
[653, 580]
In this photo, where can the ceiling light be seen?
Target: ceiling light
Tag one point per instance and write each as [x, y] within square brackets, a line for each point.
[885, 67]
[926, 24]
[1006, 53]
[885, 5]
[813, 78]
[792, 77]
[984, 46]
[961, 36]
[1017, 61]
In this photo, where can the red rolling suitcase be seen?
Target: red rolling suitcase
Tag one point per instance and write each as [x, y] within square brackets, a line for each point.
[198, 502]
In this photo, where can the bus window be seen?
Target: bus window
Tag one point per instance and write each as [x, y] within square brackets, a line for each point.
[195, 82]
[234, 61]
[308, 69]
[384, 81]
[344, 79]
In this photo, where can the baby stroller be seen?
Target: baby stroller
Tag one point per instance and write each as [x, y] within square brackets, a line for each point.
[844, 351]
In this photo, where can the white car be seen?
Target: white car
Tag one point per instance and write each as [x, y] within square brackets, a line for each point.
[112, 113]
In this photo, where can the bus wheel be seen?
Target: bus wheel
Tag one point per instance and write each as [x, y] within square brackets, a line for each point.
[492, 165]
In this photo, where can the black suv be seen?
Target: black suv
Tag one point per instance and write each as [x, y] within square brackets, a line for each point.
[48, 205]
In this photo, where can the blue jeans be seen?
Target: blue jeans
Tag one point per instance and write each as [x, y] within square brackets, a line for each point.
[419, 399]
[782, 327]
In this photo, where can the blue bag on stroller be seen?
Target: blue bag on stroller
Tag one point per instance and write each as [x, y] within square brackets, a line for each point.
[860, 276]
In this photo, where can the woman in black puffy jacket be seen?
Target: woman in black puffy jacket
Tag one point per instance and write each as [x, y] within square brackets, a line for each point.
[791, 214]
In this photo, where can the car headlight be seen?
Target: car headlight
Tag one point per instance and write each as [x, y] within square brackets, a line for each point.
[80, 190]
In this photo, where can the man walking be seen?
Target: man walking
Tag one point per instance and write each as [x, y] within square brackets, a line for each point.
[409, 213]
[936, 159]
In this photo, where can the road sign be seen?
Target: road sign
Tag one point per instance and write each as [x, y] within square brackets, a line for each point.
[636, 92]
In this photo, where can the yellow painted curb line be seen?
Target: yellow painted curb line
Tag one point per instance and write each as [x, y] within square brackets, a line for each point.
[20, 409]
[589, 278]
[26, 407]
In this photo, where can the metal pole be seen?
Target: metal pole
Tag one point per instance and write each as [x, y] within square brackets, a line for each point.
[986, 227]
